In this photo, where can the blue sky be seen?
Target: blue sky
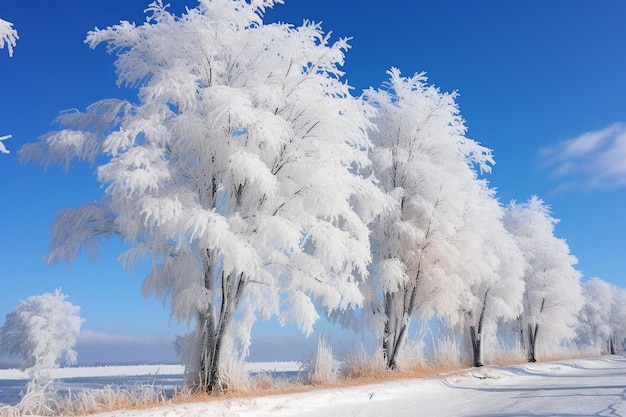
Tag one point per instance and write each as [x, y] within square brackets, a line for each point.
[541, 83]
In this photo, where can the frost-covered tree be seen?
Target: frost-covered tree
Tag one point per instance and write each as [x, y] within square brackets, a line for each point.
[492, 266]
[41, 332]
[595, 316]
[237, 173]
[424, 162]
[601, 320]
[553, 294]
[618, 322]
[8, 36]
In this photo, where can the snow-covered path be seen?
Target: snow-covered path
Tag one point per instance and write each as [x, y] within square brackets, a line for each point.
[590, 387]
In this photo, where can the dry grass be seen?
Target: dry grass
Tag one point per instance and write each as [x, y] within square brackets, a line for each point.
[505, 357]
[322, 368]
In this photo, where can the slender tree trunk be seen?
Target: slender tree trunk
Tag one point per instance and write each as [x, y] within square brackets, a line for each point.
[388, 331]
[232, 290]
[477, 333]
[611, 345]
[477, 347]
[532, 342]
[396, 327]
[212, 333]
[392, 362]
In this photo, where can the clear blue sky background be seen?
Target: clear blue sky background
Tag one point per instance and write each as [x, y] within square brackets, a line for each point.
[531, 75]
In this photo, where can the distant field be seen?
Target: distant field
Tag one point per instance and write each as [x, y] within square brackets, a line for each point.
[140, 370]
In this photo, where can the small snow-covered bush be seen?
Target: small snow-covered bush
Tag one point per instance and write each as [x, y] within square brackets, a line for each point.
[412, 355]
[504, 356]
[234, 372]
[322, 368]
[447, 352]
[41, 331]
[364, 364]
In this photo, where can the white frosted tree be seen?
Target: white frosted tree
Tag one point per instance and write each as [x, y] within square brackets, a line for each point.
[553, 294]
[424, 162]
[41, 332]
[601, 320]
[237, 173]
[492, 266]
[8, 38]
[618, 322]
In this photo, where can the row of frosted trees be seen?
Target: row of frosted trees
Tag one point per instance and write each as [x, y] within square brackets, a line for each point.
[257, 186]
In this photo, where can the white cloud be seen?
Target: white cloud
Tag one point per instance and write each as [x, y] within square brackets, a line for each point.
[89, 337]
[595, 159]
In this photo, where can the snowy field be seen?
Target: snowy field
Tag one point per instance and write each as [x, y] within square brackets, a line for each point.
[590, 387]
[168, 377]
[142, 370]
[585, 387]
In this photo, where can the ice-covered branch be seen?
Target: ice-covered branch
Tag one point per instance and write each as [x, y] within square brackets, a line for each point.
[8, 36]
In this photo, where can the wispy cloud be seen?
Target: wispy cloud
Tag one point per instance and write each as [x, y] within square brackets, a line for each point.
[593, 160]
[89, 337]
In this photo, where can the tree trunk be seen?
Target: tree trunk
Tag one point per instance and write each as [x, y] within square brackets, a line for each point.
[392, 362]
[212, 333]
[395, 331]
[532, 342]
[388, 333]
[522, 336]
[611, 345]
[476, 335]
[477, 347]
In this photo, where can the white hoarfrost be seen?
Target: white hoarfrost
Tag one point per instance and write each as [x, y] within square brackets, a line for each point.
[238, 173]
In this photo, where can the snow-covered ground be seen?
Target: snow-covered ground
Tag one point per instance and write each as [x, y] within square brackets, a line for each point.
[589, 387]
[584, 387]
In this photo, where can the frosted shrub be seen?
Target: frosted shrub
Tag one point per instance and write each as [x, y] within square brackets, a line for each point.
[323, 368]
[412, 356]
[41, 332]
[235, 373]
[364, 364]
[503, 356]
[447, 353]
